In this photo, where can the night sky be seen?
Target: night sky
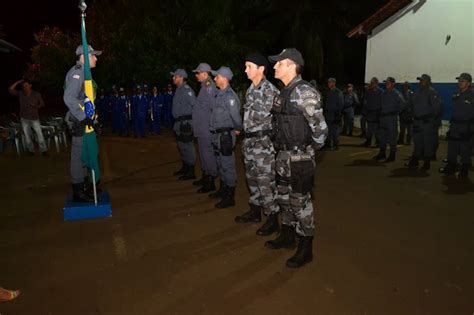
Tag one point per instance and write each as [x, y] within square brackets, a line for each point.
[21, 19]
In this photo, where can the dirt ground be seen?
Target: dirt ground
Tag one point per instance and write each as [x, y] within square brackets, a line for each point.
[389, 240]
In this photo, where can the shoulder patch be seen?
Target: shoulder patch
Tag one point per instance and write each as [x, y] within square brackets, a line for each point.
[76, 76]
[190, 93]
[310, 110]
[232, 102]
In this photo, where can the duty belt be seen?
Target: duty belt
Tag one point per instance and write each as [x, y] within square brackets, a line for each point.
[287, 147]
[460, 121]
[221, 130]
[388, 114]
[182, 118]
[258, 134]
[424, 117]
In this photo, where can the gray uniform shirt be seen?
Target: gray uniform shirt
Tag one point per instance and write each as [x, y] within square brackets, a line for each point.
[392, 103]
[183, 101]
[74, 91]
[426, 104]
[225, 112]
[258, 105]
[202, 108]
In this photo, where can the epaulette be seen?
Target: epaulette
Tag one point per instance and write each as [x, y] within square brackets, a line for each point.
[78, 66]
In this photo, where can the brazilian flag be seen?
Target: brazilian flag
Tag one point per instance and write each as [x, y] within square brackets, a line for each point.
[90, 147]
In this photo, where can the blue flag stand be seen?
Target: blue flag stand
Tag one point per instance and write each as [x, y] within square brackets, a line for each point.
[101, 208]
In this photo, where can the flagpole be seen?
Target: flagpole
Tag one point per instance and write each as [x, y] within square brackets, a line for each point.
[88, 86]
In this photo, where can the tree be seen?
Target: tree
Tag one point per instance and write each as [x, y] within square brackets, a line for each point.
[52, 57]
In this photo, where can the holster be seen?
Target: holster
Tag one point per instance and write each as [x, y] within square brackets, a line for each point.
[227, 147]
[185, 132]
[76, 127]
[302, 172]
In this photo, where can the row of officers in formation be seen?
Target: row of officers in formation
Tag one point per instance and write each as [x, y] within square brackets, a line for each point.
[283, 128]
[142, 112]
[282, 131]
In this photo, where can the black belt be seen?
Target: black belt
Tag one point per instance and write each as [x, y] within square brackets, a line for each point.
[287, 147]
[425, 117]
[459, 121]
[388, 114]
[221, 130]
[182, 118]
[258, 134]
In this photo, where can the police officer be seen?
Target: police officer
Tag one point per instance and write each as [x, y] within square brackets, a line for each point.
[333, 112]
[156, 106]
[371, 110]
[167, 103]
[225, 125]
[77, 121]
[257, 149]
[183, 102]
[114, 104]
[427, 108]
[201, 118]
[461, 128]
[300, 130]
[406, 116]
[392, 102]
[351, 100]
[122, 113]
[102, 104]
[140, 105]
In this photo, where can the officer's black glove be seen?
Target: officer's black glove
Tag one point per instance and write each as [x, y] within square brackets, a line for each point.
[88, 122]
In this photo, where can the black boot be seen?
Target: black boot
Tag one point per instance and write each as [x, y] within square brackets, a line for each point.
[253, 215]
[220, 193]
[180, 171]
[413, 163]
[335, 146]
[200, 181]
[381, 156]
[270, 226]
[367, 143]
[79, 195]
[464, 173]
[391, 157]
[426, 164]
[449, 169]
[89, 188]
[188, 174]
[286, 239]
[349, 134]
[208, 185]
[304, 253]
[228, 199]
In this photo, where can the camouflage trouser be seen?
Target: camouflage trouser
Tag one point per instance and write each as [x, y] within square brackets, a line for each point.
[296, 208]
[259, 159]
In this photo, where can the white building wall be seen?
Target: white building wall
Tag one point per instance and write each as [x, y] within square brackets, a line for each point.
[414, 42]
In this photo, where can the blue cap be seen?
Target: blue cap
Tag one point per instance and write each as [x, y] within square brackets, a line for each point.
[203, 67]
[223, 71]
[180, 73]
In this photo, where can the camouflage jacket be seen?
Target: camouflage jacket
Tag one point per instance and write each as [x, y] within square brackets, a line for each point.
[258, 105]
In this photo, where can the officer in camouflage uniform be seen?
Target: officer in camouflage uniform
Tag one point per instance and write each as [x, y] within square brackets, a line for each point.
[183, 102]
[258, 150]
[77, 121]
[300, 130]
[225, 124]
[461, 128]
